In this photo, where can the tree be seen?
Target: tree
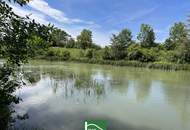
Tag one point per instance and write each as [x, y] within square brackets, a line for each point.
[59, 38]
[16, 34]
[71, 43]
[20, 2]
[184, 51]
[169, 44]
[107, 53]
[90, 53]
[179, 41]
[119, 43]
[84, 40]
[178, 33]
[146, 36]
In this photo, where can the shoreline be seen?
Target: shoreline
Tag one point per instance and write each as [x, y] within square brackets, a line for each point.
[136, 64]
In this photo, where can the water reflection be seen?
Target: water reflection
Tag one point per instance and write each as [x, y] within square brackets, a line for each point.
[128, 98]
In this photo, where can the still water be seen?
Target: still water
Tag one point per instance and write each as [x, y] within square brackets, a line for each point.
[61, 96]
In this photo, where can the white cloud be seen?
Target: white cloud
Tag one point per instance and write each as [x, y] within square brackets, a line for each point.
[45, 8]
[33, 14]
[41, 10]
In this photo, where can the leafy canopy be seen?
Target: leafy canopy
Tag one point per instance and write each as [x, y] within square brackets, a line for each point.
[84, 40]
[146, 36]
[120, 42]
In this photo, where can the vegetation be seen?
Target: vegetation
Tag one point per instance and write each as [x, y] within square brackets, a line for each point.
[20, 38]
[146, 36]
[175, 51]
[23, 38]
[84, 40]
[119, 44]
[61, 46]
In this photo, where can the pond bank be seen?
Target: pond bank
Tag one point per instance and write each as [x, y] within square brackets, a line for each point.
[150, 65]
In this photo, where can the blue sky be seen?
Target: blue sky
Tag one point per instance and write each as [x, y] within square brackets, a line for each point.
[105, 17]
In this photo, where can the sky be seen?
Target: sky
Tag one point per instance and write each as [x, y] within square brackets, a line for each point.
[107, 17]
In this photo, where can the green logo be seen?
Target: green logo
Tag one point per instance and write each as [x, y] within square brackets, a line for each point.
[95, 125]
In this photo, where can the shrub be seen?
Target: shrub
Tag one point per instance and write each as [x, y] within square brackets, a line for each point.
[147, 57]
[107, 54]
[50, 52]
[135, 52]
[81, 53]
[66, 55]
[135, 55]
[89, 53]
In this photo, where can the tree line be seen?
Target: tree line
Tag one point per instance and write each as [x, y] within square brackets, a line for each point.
[176, 48]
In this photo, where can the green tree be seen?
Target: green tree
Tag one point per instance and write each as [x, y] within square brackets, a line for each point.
[119, 44]
[59, 38]
[184, 51]
[107, 53]
[66, 55]
[178, 33]
[90, 53]
[169, 44]
[180, 42]
[16, 34]
[84, 40]
[71, 43]
[146, 36]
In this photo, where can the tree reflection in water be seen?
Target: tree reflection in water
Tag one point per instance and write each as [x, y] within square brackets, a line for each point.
[65, 92]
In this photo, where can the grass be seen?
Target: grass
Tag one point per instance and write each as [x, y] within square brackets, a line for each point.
[78, 55]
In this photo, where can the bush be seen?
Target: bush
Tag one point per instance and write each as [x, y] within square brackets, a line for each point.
[135, 52]
[89, 53]
[66, 55]
[107, 54]
[50, 53]
[134, 55]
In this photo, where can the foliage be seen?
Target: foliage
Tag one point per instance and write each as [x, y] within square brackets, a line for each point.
[84, 40]
[184, 51]
[7, 86]
[57, 51]
[17, 37]
[174, 50]
[89, 53]
[66, 55]
[119, 44]
[178, 33]
[146, 36]
[36, 45]
[16, 33]
[71, 43]
[135, 52]
[59, 38]
[107, 53]
[169, 44]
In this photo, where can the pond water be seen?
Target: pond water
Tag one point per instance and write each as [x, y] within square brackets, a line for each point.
[61, 96]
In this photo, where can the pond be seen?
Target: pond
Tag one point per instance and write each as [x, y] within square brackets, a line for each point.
[61, 96]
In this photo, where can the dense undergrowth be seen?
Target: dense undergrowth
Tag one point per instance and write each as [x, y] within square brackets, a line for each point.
[162, 60]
